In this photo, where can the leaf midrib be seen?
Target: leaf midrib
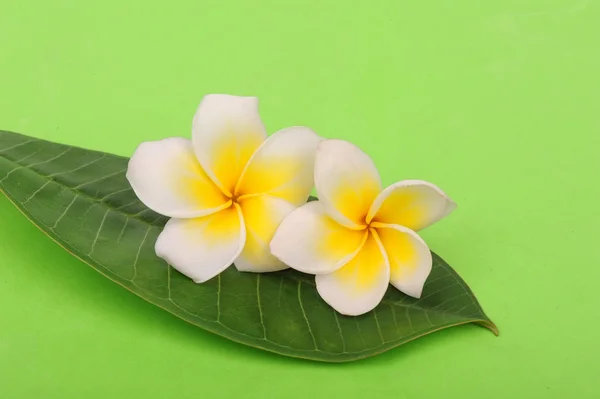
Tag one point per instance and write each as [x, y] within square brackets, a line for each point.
[237, 335]
[150, 225]
[396, 304]
[81, 193]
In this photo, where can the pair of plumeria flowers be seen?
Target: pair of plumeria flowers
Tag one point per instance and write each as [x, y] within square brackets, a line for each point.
[236, 196]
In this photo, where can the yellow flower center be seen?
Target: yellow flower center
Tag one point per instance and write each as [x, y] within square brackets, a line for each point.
[235, 197]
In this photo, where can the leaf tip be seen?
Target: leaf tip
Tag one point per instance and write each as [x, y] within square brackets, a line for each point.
[490, 325]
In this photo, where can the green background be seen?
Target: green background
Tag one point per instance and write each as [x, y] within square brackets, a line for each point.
[497, 102]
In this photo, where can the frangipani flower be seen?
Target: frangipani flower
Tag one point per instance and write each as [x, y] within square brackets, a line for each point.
[226, 190]
[358, 238]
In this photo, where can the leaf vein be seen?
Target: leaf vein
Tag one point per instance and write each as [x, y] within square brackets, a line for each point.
[337, 322]
[409, 320]
[98, 179]
[36, 192]
[10, 172]
[378, 326]
[305, 316]
[262, 322]
[137, 255]
[17, 146]
[98, 233]
[76, 169]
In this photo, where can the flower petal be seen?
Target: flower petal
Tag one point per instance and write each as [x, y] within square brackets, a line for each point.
[262, 215]
[203, 247]
[359, 286]
[415, 204]
[167, 178]
[283, 166]
[347, 182]
[409, 257]
[310, 241]
[226, 131]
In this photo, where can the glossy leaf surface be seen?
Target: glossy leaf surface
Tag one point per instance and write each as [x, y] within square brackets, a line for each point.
[81, 199]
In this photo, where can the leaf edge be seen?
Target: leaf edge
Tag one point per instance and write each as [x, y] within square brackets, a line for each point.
[486, 323]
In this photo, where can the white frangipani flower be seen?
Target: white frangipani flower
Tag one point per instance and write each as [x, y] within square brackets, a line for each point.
[226, 190]
[358, 238]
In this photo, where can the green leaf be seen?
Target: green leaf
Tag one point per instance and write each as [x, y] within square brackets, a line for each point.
[81, 199]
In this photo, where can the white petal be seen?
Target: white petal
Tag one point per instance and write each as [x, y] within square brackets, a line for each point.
[310, 241]
[359, 286]
[347, 182]
[415, 204]
[203, 247]
[226, 131]
[168, 179]
[409, 257]
[262, 215]
[283, 166]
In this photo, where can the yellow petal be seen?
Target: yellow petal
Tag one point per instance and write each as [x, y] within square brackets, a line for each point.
[359, 286]
[409, 257]
[203, 247]
[283, 166]
[310, 241]
[262, 215]
[347, 182]
[226, 131]
[415, 204]
[167, 178]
